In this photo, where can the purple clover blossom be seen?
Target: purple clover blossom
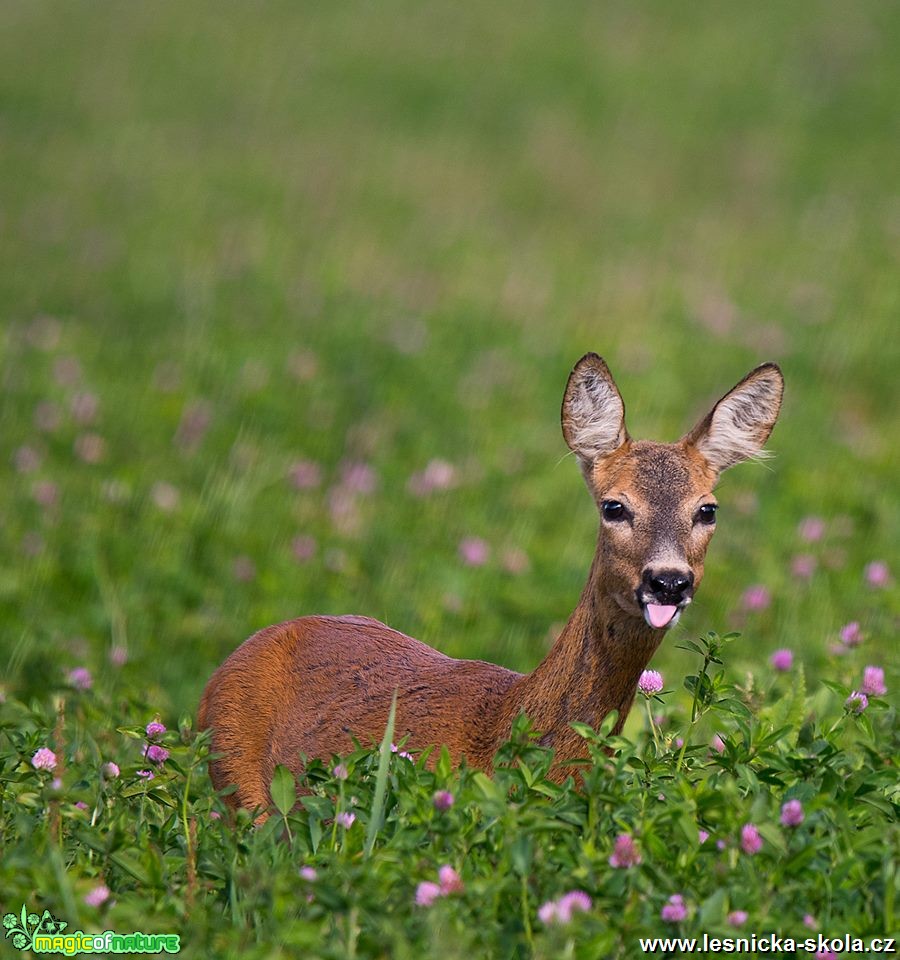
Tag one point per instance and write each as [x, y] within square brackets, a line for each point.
[811, 529]
[303, 365]
[426, 893]
[98, 896]
[856, 702]
[575, 901]
[548, 912]
[443, 800]
[196, 419]
[155, 729]
[90, 447]
[674, 909]
[358, 478]
[625, 852]
[165, 496]
[118, 656]
[562, 909]
[702, 836]
[26, 459]
[340, 772]
[877, 574]
[474, 552]
[650, 683]
[737, 918]
[782, 660]
[243, 569]
[792, 814]
[873, 682]
[45, 493]
[110, 770]
[450, 880]
[309, 874]
[80, 678]
[146, 774]
[67, 371]
[156, 753]
[47, 417]
[803, 566]
[437, 475]
[851, 635]
[756, 597]
[83, 407]
[303, 548]
[346, 819]
[305, 475]
[751, 841]
[718, 744]
[44, 759]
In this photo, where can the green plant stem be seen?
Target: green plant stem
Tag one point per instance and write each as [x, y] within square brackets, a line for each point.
[339, 806]
[695, 712]
[526, 915]
[287, 828]
[653, 729]
[184, 810]
[352, 933]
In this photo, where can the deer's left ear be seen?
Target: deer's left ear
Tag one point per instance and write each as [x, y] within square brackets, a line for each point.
[738, 426]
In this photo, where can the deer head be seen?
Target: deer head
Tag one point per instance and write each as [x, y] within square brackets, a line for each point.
[656, 503]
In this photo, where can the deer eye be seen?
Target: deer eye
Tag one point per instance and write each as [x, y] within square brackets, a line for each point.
[707, 513]
[612, 510]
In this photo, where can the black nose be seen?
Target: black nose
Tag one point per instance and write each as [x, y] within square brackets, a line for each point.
[669, 586]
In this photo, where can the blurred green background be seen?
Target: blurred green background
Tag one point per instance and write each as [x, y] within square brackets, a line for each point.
[263, 263]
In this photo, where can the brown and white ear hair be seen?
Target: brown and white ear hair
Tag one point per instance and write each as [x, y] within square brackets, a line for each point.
[738, 426]
[593, 414]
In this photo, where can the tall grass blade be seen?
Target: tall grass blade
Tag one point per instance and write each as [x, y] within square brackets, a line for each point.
[384, 760]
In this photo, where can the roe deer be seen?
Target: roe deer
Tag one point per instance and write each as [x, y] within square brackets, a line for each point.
[308, 684]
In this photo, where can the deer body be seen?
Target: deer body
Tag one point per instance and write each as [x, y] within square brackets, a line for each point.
[307, 685]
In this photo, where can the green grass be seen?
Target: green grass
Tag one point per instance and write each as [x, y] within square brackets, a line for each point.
[384, 234]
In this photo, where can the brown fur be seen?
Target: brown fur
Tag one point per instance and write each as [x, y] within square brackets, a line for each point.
[306, 685]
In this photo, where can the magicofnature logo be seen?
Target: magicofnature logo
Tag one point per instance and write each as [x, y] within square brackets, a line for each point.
[46, 934]
[23, 928]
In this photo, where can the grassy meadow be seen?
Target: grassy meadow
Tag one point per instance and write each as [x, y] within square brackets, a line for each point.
[288, 299]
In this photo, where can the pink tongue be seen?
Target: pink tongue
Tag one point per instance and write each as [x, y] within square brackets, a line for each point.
[660, 614]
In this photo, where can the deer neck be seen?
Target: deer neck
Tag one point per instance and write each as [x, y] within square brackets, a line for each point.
[592, 668]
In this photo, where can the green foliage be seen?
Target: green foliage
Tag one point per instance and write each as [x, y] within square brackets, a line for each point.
[174, 859]
[283, 791]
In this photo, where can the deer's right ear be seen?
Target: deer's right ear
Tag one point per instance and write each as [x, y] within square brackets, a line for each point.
[593, 414]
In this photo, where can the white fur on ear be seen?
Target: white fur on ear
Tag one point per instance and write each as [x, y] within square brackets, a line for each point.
[593, 414]
[740, 423]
